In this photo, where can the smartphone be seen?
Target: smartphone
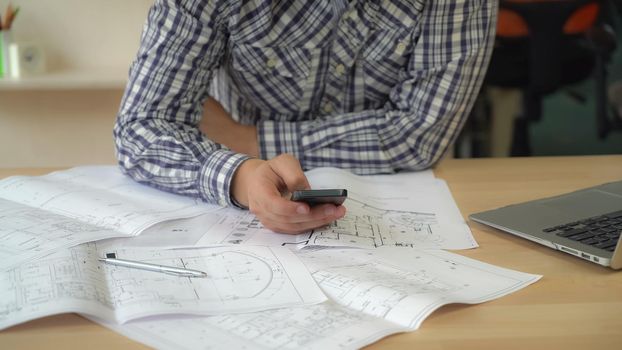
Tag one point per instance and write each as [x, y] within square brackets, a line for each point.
[315, 197]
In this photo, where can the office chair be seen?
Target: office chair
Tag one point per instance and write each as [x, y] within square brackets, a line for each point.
[544, 45]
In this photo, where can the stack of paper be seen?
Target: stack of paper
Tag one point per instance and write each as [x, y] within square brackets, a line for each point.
[372, 294]
[376, 272]
[403, 211]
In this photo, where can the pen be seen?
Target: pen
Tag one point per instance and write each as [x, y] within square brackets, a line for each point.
[171, 270]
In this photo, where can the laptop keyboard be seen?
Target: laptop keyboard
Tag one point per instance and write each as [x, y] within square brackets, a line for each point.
[601, 231]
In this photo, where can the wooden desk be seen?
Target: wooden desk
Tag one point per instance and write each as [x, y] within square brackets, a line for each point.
[576, 305]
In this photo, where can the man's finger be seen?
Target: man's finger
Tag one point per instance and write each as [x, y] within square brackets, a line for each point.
[278, 205]
[276, 224]
[267, 199]
[288, 168]
[325, 212]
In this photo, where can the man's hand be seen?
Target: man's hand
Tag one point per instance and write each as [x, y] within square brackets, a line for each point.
[261, 186]
[218, 126]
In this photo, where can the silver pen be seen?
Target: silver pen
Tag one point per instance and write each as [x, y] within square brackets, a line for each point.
[171, 270]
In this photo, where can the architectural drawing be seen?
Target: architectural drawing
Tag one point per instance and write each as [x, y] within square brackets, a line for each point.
[235, 227]
[101, 196]
[243, 227]
[373, 293]
[381, 287]
[412, 210]
[27, 233]
[240, 279]
[366, 226]
[381, 212]
[262, 275]
[222, 226]
[406, 288]
[43, 214]
[320, 327]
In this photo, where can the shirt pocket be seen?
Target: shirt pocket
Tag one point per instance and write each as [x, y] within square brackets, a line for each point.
[273, 79]
[385, 60]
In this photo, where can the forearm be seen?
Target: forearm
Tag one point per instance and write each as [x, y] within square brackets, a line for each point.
[181, 162]
[369, 142]
[157, 135]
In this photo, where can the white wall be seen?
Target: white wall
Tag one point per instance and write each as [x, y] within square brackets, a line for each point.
[65, 128]
[82, 33]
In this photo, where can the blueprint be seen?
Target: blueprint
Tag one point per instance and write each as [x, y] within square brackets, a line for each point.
[27, 233]
[40, 215]
[373, 293]
[222, 226]
[240, 279]
[406, 287]
[366, 226]
[91, 203]
[101, 196]
[403, 210]
[319, 327]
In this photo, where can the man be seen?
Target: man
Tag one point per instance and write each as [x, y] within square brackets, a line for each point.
[230, 100]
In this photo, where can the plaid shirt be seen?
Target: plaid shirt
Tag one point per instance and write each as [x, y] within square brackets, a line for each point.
[371, 86]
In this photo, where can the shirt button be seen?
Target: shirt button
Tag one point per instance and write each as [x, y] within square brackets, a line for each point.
[340, 69]
[271, 63]
[328, 108]
[400, 48]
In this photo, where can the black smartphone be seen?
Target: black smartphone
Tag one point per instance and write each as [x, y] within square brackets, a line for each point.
[315, 197]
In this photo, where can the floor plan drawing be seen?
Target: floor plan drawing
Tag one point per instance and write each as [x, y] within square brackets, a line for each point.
[263, 276]
[364, 226]
[397, 210]
[372, 293]
[239, 279]
[368, 227]
[101, 196]
[382, 288]
[317, 327]
[223, 226]
[27, 233]
[236, 227]
[243, 227]
[43, 214]
[406, 288]
[421, 216]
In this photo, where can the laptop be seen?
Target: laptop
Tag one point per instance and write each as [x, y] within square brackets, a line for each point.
[585, 223]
